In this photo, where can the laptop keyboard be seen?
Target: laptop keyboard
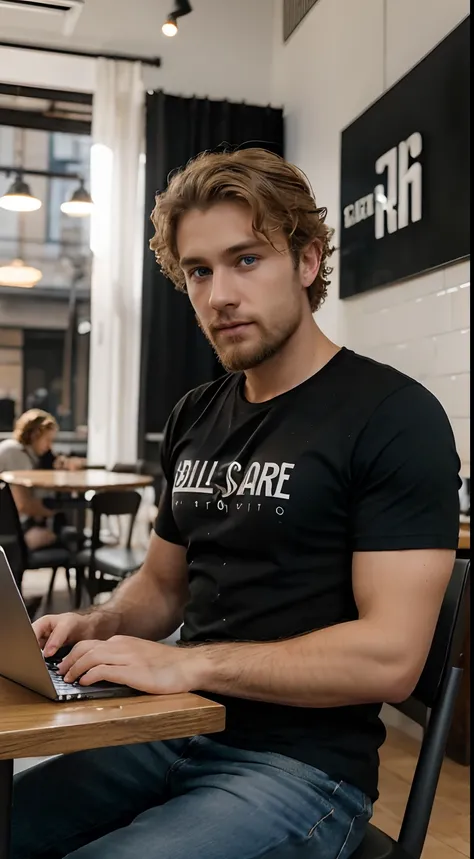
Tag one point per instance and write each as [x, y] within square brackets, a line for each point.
[66, 691]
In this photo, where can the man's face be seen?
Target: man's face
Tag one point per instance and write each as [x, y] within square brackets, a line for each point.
[248, 298]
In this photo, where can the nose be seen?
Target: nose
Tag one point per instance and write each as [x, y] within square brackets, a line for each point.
[223, 293]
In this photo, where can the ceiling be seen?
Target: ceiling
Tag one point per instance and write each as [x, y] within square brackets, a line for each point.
[205, 58]
[123, 26]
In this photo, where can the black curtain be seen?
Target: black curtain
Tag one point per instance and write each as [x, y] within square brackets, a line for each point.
[175, 354]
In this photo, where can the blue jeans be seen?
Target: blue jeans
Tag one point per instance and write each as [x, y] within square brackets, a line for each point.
[183, 799]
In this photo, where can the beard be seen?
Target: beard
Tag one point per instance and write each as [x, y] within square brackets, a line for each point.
[239, 354]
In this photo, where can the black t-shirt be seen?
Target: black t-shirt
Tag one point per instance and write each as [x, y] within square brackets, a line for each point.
[271, 500]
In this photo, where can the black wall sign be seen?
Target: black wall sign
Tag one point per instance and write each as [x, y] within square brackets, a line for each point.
[293, 13]
[405, 174]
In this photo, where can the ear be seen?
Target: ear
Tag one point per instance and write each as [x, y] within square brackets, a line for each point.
[310, 260]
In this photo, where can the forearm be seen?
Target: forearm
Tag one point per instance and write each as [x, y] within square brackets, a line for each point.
[139, 607]
[28, 505]
[343, 665]
[35, 508]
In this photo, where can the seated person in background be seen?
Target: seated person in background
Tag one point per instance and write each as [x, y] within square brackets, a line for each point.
[60, 461]
[33, 437]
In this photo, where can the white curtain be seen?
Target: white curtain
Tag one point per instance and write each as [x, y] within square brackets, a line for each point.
[117, 238]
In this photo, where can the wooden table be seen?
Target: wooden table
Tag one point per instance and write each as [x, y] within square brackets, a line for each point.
[96, 479]
[31, 726]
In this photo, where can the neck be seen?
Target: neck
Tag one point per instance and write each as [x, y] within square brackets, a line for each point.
[306, 352]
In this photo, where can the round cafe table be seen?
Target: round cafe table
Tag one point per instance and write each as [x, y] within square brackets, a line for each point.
[95, 479]
[78, 483]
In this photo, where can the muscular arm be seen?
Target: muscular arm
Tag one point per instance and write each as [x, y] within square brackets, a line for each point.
[378, 657]
[150, 603]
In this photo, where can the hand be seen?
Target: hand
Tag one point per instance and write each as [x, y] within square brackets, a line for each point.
[55, 630]
[75, 463]
[159, 669]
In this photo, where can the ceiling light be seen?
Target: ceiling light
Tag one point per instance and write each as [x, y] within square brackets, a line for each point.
[17, 273]
[80, 205]
[170, 27]
[19, 198]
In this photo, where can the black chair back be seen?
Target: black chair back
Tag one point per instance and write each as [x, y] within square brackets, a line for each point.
[448, 638]
[121, 503]
[143, 466]
[11, 535]
[436, 691]
[129, 467]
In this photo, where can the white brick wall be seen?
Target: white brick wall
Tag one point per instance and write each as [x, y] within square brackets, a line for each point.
[421, 327]
[334, 66]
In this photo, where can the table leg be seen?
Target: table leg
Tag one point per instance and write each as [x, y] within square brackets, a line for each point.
[6, 782]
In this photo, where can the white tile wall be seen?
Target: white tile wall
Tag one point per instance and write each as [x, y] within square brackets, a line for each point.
[422, 327]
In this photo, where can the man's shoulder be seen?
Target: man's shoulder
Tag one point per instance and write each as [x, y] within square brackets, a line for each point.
[381, 394]
[374, 376]
[384, 386]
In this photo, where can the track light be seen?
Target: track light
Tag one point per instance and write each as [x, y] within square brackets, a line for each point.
[170, 27]
[80, 205]
[19, 198]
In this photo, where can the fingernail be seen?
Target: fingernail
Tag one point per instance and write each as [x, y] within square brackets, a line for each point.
[67, 678]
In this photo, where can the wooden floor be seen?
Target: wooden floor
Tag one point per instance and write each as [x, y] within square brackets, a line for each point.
[449, 832]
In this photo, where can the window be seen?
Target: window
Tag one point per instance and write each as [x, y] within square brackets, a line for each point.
[40, 326]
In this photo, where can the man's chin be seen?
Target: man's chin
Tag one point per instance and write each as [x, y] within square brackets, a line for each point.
[239, 360]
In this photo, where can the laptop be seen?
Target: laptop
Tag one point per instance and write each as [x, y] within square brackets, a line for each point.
[21, 658]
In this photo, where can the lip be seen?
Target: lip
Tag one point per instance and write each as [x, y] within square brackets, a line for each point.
[233, 329]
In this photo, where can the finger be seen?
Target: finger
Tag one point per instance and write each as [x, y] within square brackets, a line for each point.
[96, 656]
[76, 654]
[42, 630]
[57, 637]
[120, 674]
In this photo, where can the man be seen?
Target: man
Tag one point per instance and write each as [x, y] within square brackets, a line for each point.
[305, 538]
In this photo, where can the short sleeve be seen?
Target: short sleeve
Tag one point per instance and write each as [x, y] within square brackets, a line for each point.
[405, 474]
[14, 459]
[165, 525]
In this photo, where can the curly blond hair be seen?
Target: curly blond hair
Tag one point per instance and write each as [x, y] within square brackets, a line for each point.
[31, 424]
[278, 194]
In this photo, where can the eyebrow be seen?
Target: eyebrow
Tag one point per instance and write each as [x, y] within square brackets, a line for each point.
[241, 247]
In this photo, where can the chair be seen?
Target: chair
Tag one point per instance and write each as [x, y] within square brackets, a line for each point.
[432, 706]
[154, 470]
[143, 466]
[19, 556]
[115, 562]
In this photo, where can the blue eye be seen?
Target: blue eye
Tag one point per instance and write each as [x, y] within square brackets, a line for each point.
[248, 260]
[200, 272]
